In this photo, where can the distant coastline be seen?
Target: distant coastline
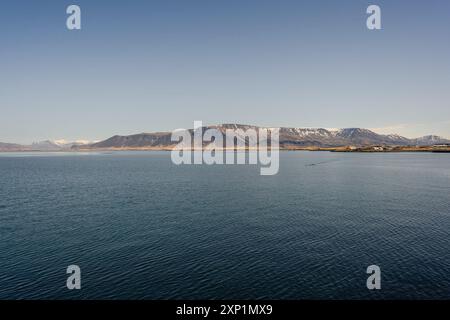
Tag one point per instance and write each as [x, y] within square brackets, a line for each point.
[290, 139]
[343, 149]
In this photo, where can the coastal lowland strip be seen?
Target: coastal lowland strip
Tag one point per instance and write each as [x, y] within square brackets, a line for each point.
[290, 139]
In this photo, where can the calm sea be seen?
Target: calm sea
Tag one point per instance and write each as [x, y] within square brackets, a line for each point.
[142, 228]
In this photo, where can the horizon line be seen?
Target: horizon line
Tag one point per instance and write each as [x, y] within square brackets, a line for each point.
[89, 141]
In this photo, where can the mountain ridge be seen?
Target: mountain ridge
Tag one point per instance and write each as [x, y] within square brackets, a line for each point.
[46, 145]
[290, 138]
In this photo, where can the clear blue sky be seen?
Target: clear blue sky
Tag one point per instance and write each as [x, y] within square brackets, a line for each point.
[142, 66]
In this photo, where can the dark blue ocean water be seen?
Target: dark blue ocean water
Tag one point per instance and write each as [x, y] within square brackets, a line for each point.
[142, 228]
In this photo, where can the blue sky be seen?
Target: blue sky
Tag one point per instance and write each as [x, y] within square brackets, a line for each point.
[143, 66]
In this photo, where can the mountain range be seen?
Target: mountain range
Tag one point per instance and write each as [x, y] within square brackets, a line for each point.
[289, 138]
[46, 145]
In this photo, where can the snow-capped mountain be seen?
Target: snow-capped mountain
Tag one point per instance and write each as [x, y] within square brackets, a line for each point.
[46, 145]
[431, 140]
[289, 137]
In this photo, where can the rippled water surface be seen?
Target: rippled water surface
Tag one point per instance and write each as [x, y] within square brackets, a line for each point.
[142, 228]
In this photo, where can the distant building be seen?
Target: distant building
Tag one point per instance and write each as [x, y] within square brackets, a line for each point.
[444, 145]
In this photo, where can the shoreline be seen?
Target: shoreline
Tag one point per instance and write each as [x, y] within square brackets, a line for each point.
[343, 149]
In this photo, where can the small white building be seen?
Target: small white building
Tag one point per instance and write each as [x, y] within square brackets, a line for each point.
[441, 145]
